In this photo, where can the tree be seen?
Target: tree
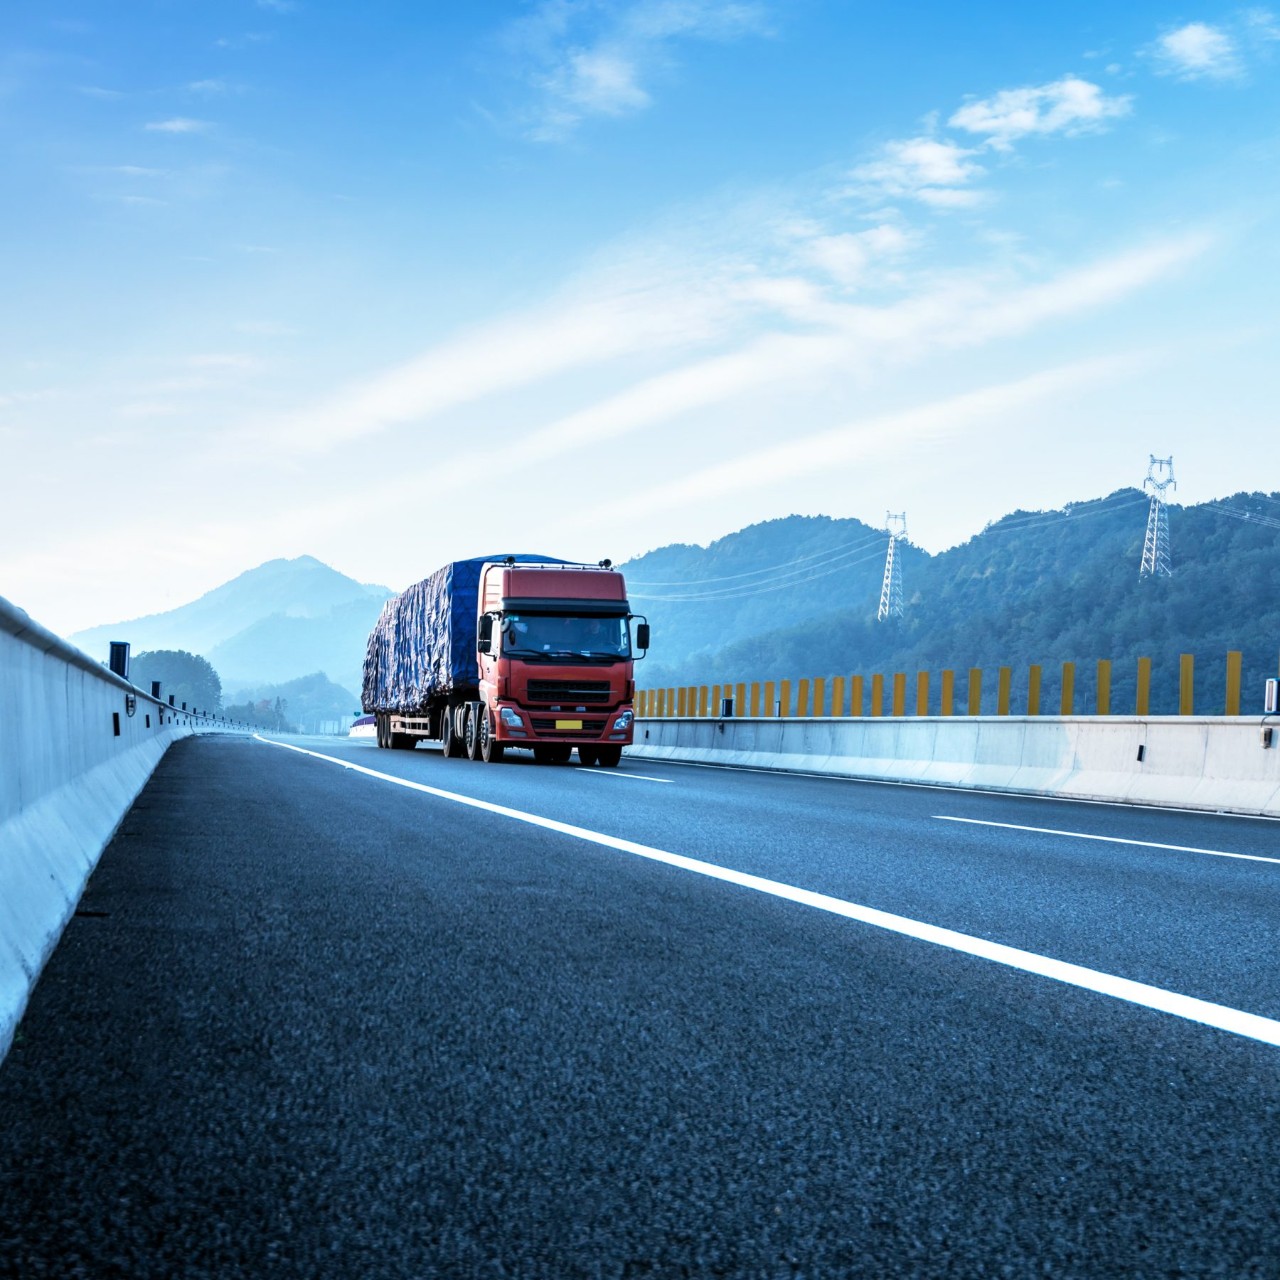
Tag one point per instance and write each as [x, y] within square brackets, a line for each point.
[186, 677]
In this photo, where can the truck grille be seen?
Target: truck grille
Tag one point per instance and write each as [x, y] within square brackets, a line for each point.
[569, 692]
[590, 728]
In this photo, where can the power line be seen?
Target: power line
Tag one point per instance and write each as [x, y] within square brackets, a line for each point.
[755, 573]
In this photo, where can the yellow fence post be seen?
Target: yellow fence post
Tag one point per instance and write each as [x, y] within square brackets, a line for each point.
[1067, 704]
[855, 696]
[740, 700]
[948, 707]
[1004, 685]
[1235, 660]
[837, 696]
[770, 699]
[755, 699]
[671, 702]
[975, 691]
[1033, 690]
[682, 702]
[922, 693]
[1142, 703]
[1104, 687]
[802, 699]
[877, 695]
[819, 696]
[704, 693]
[784, 698]
[715, 700]
[1186, 685]
[660, 704]
[899, 693]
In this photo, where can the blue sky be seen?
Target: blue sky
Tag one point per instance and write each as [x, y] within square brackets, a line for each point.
[395, 284]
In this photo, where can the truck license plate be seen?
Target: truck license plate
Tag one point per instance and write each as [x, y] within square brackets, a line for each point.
[568, 724]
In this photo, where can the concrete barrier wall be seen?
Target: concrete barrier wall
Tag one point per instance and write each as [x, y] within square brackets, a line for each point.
[1215, 763]
[72, 759]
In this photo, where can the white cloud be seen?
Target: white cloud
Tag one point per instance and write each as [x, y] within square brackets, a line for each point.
[179, 124]
[931, 170]
[847, 257]
[862, 441]
[1198, 51]
[590, 60]
[1069, 106]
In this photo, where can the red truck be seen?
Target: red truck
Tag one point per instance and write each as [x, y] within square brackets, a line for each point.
[519, 652]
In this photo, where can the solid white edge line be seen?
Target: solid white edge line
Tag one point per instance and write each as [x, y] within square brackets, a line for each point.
[1084, 835]
[614, 773]
[1251, 1025]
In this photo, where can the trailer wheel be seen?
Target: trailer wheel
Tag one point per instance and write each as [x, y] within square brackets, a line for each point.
[449, 739]
[607, 757]
[472, 731]
[377, 725]
[491, 750]
[586, 755]
[401, 741]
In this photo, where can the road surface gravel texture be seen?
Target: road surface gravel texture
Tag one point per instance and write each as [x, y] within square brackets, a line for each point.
[309, 1023]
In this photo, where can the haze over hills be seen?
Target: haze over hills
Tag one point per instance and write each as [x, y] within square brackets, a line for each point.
[798, 597]
[269, 625]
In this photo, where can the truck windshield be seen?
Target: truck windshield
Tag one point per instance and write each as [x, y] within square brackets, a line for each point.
[586, 637]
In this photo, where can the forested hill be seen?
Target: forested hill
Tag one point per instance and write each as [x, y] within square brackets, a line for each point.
[798, 597]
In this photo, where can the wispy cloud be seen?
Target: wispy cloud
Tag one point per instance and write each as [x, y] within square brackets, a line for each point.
[1221, 51]
[1068, 106]
[932, 170]
[586, 60]
[864, 440]
[178, 124]
[1198, 51]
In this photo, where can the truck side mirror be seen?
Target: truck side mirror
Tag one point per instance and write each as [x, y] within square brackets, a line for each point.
[642, 635]
[484, 633]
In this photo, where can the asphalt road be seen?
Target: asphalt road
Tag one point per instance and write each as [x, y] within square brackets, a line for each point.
[310, 1022]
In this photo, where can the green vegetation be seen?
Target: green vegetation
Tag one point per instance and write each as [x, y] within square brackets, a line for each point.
[186, 677]
[1035, 587]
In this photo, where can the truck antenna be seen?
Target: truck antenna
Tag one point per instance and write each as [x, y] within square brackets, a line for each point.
[509, 561]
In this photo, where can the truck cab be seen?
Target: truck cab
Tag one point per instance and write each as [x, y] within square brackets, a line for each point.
[555, 656]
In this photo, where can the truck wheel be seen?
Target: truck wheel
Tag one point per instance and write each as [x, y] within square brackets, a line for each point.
[586, 755]
[448, 737]
[472, 733]
[381, 732]
[560, 753]
[608, 757]
[401, 741]
[491, 750]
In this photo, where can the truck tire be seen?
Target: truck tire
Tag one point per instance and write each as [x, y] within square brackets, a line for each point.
[472, 735]
[491, 750]
[586, 755]
[449, 739]
[380, 732]
[401, 741]
[607, 757]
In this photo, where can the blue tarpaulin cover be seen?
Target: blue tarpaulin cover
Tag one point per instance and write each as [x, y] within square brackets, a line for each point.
[423, 645]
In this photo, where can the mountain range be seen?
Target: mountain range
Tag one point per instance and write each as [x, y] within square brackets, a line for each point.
[270, 625]
[799, 597]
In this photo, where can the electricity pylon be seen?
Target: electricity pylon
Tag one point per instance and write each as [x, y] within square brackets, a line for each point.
[891, 593]
[1156, 561]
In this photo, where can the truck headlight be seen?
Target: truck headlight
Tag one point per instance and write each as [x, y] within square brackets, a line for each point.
[623, 721]
[511, 718]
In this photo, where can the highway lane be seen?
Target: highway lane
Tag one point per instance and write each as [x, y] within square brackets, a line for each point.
[313, 1023]
[1197, 923]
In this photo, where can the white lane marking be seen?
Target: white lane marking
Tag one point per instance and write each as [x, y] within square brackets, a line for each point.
[1252, 1025]
[615, 773]
[1082, 835]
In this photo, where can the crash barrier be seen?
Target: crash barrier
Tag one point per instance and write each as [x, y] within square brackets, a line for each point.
[1231, 764]
[77, 743]
[1040, 689]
